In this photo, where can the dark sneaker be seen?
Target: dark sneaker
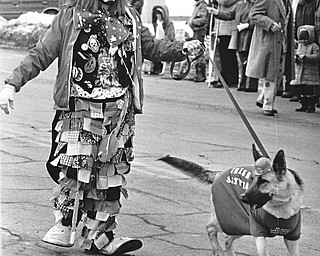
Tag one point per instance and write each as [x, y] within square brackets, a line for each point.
[268, 112]
[259, 104]
[121, 245]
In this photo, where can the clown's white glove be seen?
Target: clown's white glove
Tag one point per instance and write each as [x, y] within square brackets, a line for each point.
[7, 97]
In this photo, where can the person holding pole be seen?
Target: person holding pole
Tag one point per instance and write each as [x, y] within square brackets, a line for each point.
[228, 57]
[240, 38]
[98, 91]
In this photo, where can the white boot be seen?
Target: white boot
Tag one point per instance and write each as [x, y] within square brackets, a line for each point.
[58, 235]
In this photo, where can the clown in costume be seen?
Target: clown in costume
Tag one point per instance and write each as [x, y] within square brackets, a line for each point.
[98, 91]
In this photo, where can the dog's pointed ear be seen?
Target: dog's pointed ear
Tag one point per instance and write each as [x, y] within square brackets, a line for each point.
[256, 153]
[279, 164]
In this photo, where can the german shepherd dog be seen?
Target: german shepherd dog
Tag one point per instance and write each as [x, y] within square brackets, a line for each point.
[262, 200]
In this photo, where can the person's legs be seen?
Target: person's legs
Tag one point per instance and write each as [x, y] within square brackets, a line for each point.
[229, 62]
[311, 99]
[97, 180]
[252, 84]
[261, 88]
[157, 68]
[200, 63]
[200, 70]
[269, 96]
[303, 100]
[243, 63]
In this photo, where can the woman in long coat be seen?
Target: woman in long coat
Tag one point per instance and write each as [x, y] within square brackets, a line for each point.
[271, 50]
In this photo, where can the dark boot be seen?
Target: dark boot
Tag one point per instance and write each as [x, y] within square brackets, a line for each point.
[312, 104]
[196, 77]
[252, 84]
[304, 104]
[318, 102]
[201, 73]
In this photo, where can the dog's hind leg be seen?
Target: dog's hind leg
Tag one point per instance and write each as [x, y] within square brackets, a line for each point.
[228, 244]
[213, 228]
[293, 247]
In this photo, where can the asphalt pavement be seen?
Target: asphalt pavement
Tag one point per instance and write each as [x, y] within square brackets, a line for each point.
[167, 210]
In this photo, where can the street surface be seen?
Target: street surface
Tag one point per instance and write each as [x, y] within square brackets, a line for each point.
[167, 210]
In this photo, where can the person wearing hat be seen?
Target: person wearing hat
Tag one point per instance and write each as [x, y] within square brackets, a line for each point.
[99, 45]
[307, 65]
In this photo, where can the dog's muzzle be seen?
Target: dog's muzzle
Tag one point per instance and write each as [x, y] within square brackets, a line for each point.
[256, 200]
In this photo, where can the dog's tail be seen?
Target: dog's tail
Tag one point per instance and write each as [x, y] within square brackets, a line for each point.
[192, 169]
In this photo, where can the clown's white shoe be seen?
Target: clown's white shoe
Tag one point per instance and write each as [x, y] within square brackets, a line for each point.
[58, 235]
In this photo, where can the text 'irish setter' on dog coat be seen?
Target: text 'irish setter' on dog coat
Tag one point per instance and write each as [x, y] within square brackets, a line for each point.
[231, 213]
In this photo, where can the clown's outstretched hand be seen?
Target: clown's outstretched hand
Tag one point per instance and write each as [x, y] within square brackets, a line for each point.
[7, 97]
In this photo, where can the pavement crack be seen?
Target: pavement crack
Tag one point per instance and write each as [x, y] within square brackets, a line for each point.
[11, 233]
[153, 195]
[143, 217]
[182, 245]
[28, 203]
[15, 155]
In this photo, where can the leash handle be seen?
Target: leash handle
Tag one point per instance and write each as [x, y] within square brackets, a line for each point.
[189, 62]
[244, 119]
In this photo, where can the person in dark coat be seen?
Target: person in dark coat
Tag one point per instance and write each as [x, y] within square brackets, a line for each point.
[317, 21]
[271, 50]
[163, 29]
[198, 22]
[99, 46]
[317, 26]
[240, 39]
[305, 14]
[228, 57]
[307, 65]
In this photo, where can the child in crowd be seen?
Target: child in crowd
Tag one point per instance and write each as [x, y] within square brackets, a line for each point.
[307, 60]
[163, 29]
